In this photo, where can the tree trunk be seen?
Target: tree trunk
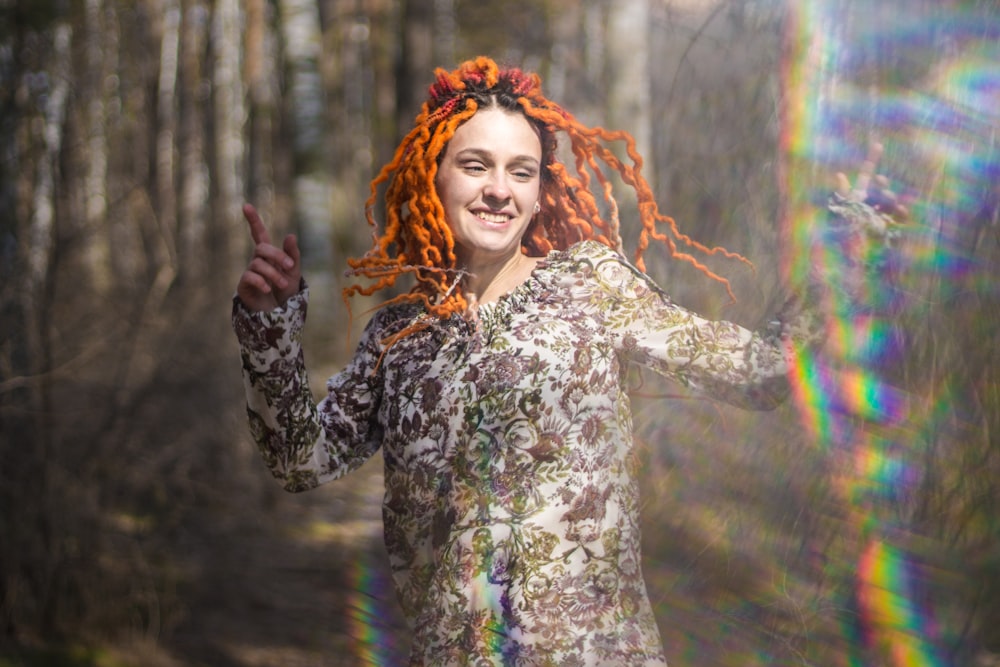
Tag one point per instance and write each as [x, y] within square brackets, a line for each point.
[97, 238]
[416, 59]
[262, 79]
[165, 206]
[628, 75]
[306, 107]
[228, 239]
[36, 292]
[194, 173]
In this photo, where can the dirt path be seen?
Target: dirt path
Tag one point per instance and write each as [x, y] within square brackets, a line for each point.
[308, 588]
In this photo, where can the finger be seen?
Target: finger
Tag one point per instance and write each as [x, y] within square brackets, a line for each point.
[291, 248]
[868, 168]
[252, 281]
[886, 201]
[841, 185]
[275, 256]
[257, 229]
[269, 272]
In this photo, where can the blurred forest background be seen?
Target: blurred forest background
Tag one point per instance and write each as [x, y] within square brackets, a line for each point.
[137, 524]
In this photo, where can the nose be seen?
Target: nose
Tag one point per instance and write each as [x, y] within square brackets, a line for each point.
[496, 192]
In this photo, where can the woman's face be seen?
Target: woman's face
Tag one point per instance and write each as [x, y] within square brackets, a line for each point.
[488, 182]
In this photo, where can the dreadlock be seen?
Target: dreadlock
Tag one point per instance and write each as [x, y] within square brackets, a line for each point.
[416, 239]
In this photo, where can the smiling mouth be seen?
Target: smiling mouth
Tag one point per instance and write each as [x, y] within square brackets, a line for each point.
[493, 218]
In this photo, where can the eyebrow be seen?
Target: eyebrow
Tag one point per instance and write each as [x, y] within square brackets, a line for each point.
[487, 155]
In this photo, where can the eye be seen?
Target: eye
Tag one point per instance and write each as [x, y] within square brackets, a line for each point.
[474, 167]
[524, 174]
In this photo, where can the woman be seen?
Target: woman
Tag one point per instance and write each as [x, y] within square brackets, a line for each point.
[494, 387]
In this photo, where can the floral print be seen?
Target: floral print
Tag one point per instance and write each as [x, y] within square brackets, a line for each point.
[511, 510]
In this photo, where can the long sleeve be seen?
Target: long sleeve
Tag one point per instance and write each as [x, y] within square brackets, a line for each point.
[304, 443]
[716, 358]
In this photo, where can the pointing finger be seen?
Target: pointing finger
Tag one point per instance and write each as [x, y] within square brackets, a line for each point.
[257, 229]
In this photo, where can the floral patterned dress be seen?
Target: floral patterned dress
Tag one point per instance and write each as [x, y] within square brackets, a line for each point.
[511, 508]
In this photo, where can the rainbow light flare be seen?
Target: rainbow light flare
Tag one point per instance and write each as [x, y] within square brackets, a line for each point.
[834, 105]
[370, 644]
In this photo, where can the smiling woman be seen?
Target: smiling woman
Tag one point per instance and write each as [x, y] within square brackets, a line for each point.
[494, 388]
[488, 183]
[416, 238]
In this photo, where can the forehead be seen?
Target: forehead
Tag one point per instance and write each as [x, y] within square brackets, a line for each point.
[499, 132]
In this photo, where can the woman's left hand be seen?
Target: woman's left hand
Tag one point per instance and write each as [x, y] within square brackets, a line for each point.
[863, 229]
[872, 188]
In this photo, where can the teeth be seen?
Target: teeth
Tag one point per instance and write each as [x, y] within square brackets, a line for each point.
[495, 218]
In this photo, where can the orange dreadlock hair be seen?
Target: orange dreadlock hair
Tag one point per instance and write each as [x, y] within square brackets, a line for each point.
[417, 240]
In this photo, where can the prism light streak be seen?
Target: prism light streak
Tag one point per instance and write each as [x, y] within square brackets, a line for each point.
[370, 644]
[844, 398]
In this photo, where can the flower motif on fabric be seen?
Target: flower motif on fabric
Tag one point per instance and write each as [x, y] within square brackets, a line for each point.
[511, 506]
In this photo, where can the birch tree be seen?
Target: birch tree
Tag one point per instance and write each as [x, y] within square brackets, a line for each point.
[229, 113]
[166, 137]
[305, 102]
[100, 63]
[195, 173]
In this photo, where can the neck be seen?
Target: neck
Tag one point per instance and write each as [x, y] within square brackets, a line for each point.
[489, 280]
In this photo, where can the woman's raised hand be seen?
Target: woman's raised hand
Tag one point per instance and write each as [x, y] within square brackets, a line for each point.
[273, 274]
[871, 188]
[863, 228]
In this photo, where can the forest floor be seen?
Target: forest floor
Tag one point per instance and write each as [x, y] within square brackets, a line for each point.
[737, 573]
[308, 587]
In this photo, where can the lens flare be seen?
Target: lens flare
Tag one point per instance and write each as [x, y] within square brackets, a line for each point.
[924, 81]
[370, 639]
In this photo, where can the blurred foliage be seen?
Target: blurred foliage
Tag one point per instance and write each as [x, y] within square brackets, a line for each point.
[137, 524]
[19, 16]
